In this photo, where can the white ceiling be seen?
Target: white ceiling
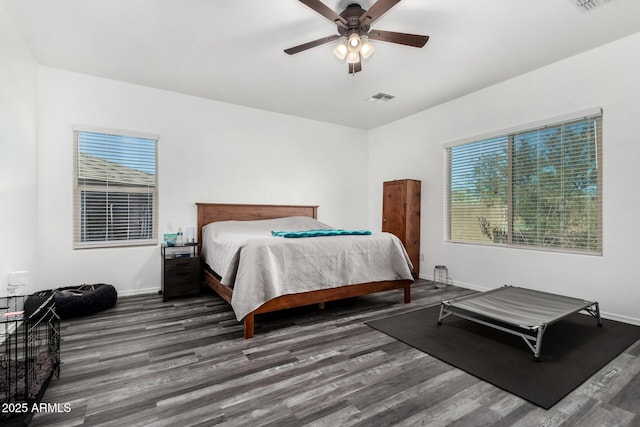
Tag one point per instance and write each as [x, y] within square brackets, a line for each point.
[232, 50]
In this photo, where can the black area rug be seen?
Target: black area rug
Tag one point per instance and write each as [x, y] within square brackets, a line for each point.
[573, 350]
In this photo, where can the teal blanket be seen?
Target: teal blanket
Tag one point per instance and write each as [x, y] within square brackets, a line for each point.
[320, 233]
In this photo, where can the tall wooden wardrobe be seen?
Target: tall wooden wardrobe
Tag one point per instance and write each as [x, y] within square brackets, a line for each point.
[401, 215]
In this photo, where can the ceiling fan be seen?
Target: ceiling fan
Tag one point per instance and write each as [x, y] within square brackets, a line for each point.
[354, 32]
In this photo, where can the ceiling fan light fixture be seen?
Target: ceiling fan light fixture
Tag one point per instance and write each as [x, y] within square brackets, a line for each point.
[367, 49]
[353, 57]
[354, 42]
[340, 50]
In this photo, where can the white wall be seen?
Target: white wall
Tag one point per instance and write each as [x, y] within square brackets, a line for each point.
[207, 152]
[211, 151]
[18, 156]
[605, 77]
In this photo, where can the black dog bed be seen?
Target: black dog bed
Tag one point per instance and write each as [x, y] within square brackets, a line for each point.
[75, 301]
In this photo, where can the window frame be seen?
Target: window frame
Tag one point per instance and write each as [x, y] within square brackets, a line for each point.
[511, 134]
[80, 188]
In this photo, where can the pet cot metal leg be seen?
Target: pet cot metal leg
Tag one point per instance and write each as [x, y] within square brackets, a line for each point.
[534, 343]
[594, 310]
[443, 312]
[538, 346]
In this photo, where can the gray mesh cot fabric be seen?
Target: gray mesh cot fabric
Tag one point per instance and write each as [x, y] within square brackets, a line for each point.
[519, 311]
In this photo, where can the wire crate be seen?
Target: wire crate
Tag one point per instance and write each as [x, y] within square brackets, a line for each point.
[29, 353]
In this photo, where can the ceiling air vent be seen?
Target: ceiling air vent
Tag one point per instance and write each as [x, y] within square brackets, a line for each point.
[381, 97]
[588, 4]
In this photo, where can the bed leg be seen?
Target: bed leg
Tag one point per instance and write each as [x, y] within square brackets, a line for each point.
[407, 293]
[248, 325]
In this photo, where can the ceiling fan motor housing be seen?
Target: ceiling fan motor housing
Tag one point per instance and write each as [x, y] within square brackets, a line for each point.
[352, 15]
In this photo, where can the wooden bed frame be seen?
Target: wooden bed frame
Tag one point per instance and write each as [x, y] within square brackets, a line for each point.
[211, 212]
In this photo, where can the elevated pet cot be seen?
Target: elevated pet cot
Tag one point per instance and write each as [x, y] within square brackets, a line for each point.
[519, 311]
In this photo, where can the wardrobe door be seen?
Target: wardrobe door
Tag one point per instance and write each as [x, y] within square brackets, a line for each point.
[401, 215]
[393, 209]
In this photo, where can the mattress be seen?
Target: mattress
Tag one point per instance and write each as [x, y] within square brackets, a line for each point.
[260, 267]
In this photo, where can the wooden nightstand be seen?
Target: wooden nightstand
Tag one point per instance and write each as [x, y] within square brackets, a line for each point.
[180, 271]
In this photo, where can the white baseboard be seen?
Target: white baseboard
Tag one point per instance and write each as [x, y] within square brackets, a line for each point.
[619, 318]
[134, 292]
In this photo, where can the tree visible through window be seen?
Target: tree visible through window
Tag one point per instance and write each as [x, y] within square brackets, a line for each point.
[538, 188]
[115, 189]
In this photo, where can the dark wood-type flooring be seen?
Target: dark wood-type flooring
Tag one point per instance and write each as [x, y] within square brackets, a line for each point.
[184, 362]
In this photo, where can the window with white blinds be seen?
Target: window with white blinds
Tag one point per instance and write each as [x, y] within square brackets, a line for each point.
[537, 186]
[115, 188]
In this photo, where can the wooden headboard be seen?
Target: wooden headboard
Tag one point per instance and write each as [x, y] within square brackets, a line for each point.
[211, 212]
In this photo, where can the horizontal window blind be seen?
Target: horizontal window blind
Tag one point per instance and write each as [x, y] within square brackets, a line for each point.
[478, 192]
[536, 188]
[115, 189]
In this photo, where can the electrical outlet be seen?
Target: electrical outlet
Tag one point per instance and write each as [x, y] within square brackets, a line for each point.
[17, 280]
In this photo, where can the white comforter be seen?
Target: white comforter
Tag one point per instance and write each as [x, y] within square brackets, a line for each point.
[260, 267]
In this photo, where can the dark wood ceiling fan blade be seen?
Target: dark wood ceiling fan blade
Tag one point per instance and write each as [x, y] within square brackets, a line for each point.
[325, 11]
[355, 67]
[378, 9]
[311, 44]
[414, 40]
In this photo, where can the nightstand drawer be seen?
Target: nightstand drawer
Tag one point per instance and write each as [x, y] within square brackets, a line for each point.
[181, 286]
[176, 274]
[186, 263]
